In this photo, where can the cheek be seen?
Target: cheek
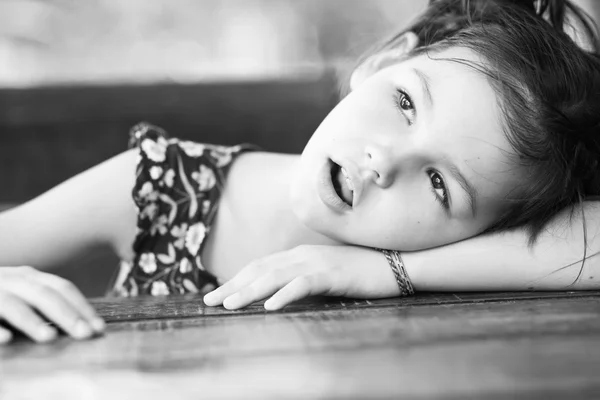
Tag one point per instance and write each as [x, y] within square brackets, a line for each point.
[393, 221]
[408, 222]
[329, 128]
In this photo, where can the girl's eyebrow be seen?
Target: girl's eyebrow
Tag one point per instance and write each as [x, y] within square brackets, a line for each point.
[467, 187]
[426, 87]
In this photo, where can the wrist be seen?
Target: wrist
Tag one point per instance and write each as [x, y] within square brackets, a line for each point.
[396, 264]
[412, 261]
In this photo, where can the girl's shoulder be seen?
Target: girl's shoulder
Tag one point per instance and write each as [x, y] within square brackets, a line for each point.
[177, 171]
[177, 187]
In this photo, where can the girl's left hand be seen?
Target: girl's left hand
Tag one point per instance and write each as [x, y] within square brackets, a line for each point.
[306, 271]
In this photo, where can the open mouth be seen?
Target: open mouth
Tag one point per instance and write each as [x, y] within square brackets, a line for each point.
[342, 184]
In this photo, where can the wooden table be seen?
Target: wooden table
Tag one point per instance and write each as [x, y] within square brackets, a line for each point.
[431, 346]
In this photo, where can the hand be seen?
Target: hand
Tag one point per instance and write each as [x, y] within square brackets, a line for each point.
[305, 271]
[24, 290]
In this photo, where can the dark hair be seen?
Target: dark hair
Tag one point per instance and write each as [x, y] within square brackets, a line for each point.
[548, 90]
[549, 93]
[444, 18]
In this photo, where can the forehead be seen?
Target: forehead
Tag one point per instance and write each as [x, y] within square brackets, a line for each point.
[462, 94]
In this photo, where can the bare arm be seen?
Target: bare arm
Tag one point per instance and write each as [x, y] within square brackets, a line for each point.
[91, 208]
[500, 261]
[503, 261]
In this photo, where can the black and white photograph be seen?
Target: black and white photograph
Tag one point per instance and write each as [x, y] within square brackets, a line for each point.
[299, 199]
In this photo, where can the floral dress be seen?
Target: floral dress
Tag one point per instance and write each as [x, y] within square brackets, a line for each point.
[176, 194]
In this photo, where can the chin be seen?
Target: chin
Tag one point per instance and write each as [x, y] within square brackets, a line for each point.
[300, 202]
[306, 213]
[309, 210]
[304, 201]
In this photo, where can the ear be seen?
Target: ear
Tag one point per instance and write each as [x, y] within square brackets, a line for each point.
[404, 44]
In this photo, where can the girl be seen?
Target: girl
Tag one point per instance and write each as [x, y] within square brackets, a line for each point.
[488, 132]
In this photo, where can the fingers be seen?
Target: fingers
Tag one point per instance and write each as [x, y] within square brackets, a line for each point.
[259, 289]
[5, 336]
[19, 315]
[242, 279]
[299, 288]
[55, 298]
[53, 306]
[264, 277]
[76, 299]
[284, 285]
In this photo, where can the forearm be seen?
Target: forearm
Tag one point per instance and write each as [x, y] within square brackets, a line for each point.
[503, 261]
[42, 241]
[94, 207]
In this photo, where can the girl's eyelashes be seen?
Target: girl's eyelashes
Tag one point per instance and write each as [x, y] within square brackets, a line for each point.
[438, 187]
[405, 105]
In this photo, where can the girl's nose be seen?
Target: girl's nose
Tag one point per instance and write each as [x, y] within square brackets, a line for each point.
[380, 166]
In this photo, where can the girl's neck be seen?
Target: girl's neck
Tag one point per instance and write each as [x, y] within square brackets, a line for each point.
[254, 218]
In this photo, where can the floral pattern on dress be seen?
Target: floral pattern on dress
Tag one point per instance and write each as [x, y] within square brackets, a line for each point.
[177, 189]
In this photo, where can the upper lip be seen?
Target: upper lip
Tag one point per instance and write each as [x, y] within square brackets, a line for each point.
[352, 172]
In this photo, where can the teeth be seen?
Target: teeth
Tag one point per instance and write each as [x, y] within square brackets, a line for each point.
[348, 180]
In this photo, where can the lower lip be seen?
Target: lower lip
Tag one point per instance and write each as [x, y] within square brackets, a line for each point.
[327, 193]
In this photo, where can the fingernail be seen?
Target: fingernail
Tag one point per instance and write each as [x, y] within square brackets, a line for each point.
[5, 336]
[81, 330]
[212, 300]
[231, 301]
[98, 324]
[46, 333]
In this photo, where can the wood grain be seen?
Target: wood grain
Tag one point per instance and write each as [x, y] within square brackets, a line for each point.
[190, 306]
[481, 346]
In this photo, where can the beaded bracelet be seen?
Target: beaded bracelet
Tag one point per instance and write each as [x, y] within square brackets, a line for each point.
[397, 266]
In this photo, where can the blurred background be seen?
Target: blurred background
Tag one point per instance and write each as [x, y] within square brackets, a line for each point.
[45, 42]
[75, 75]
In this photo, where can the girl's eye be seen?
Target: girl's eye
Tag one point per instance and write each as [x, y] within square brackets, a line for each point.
[405, 105]
[438, 188]
[404, 102]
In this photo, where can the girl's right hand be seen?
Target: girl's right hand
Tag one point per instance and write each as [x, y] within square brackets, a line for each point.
[25, 290]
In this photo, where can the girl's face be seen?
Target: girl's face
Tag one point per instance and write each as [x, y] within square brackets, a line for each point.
[423, 147]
